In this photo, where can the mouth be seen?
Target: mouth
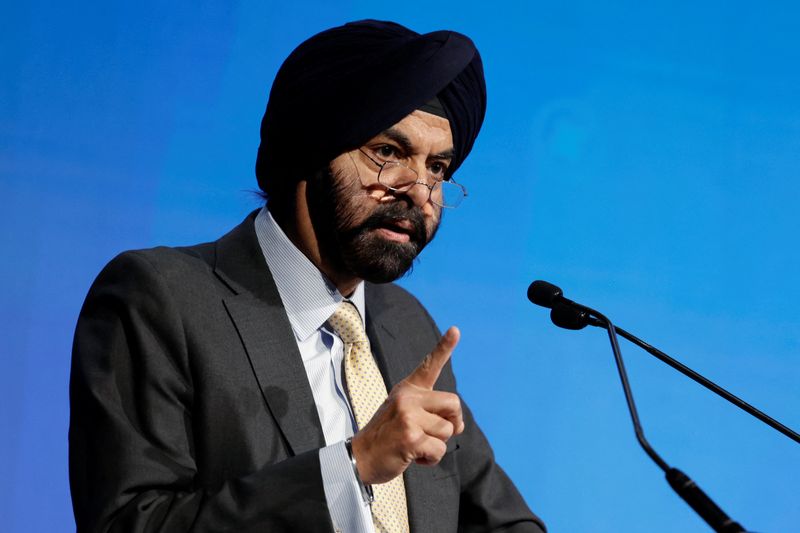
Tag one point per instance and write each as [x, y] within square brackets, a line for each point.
[397, 230]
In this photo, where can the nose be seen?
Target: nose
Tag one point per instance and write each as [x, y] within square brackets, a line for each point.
[420, 191]
[419, 194]
[410, 180]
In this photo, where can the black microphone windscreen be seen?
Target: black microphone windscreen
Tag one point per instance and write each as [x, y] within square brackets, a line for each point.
[544, 294]
[568, 316]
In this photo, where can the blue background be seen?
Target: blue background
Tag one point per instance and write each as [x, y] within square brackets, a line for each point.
[645, 158]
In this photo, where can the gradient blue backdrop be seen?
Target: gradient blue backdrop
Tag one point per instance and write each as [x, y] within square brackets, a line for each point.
[645, 158]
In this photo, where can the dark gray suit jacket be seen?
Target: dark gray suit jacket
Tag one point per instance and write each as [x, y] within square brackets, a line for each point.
[191, 408]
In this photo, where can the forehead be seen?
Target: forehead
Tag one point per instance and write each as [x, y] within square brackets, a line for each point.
[425, 131]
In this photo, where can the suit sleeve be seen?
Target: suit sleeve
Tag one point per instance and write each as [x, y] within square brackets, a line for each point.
[132, 457]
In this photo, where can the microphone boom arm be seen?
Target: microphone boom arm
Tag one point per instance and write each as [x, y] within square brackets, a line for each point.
[710, 385]
[682, 484]
[572, 315]
[604, 322]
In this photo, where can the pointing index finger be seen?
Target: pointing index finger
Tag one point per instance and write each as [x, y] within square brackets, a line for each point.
[426, 374]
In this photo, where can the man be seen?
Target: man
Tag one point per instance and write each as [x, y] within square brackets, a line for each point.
[241, 385]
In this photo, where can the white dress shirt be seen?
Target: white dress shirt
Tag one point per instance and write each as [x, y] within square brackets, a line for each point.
[310, 299]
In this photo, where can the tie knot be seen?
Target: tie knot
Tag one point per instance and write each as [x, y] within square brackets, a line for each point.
[346, 322]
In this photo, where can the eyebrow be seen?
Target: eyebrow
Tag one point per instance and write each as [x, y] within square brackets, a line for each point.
[405, 143]
[400, 138]
[447, 154]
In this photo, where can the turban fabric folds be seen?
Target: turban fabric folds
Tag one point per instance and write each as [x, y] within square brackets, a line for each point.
[345, 85]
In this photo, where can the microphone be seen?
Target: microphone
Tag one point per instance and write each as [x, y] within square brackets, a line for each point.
[563, 312]
[545, 294]
[572, 315]
[567, 316]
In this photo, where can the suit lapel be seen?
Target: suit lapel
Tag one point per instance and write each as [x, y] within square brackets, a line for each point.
[397, 358]
[388, 352]
[260, 319]
[395, 355]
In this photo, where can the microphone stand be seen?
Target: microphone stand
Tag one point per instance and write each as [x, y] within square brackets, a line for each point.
[572, 318]
[682, 484]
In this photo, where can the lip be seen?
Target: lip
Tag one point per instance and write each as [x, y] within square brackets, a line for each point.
[403, 223]
[391, 235]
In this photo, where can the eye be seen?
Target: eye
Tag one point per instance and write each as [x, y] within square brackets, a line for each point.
[387, 152]
[438, 169]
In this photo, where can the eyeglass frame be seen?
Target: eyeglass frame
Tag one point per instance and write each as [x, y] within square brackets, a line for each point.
[381, 166]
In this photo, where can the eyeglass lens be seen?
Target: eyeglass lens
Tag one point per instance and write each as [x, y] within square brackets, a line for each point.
[401, 178]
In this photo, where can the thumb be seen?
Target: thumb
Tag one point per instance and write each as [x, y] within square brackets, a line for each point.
[426, 374]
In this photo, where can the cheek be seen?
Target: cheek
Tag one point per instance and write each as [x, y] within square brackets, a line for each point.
[433, 216]
[354, 207]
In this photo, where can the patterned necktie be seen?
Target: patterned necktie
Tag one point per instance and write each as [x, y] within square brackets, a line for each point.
[367, 392]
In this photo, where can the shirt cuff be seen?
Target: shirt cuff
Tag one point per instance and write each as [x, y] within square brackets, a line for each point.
[343, 492]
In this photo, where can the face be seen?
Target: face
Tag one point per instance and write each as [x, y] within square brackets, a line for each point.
[366, 230]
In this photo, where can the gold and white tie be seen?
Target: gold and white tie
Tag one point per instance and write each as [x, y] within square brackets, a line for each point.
[367, 392]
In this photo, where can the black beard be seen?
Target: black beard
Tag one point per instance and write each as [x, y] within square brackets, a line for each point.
[357, 248]
[377, 259]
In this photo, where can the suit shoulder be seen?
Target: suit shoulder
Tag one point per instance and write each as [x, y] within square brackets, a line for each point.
[168, 262]
[391, 293]
[403, 305]
[184, 263]
[139, 274]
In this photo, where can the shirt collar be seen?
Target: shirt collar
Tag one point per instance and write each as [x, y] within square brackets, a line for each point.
[308, 295]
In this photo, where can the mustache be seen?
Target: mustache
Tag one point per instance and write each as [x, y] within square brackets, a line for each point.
[386, 215]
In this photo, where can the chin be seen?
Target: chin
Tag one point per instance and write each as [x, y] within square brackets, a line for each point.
[379, 260]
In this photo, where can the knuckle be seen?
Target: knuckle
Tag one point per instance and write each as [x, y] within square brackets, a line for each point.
[454, 402]
[399, 394]
[411, 437]
[448, 428]
[426, 363]
[404, 400]
[406, 420]
[449, 401]
[439, 449]
[398, 389]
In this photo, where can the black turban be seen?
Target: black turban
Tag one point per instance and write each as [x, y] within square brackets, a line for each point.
[345, 85]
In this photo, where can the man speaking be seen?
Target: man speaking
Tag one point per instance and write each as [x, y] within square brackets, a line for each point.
[274, 380]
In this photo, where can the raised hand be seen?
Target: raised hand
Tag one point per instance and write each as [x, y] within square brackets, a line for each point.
[414, 423]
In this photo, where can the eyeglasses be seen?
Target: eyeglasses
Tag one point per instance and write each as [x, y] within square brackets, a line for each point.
[399, 177]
